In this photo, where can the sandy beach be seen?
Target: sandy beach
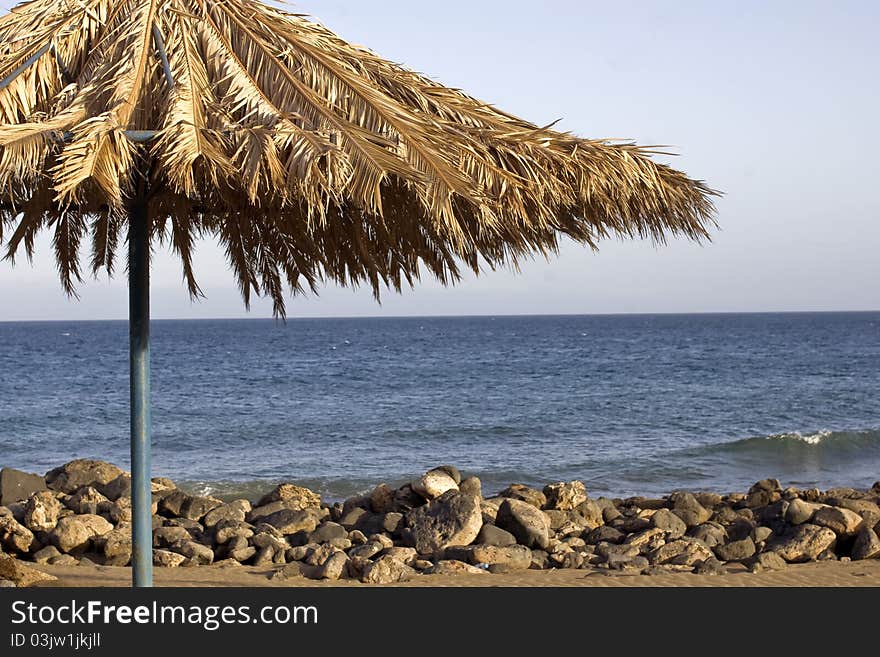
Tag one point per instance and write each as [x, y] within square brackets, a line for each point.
[828, 574]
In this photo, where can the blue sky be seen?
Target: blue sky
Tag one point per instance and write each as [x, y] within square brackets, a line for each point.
[774, 103]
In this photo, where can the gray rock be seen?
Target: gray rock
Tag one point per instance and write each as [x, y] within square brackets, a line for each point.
[591, 513]
[171, 502]
[768, 561]
[293, 570]
[686, 507]
[352, 517]
[492, 535]
[669, 522]
[710, 567]
[405, 499]
[73, 533]
[232, 512]
[761, 534]
[525, 494]
[799, 511]
[42, 511]
[604, 534]
[164, 537]
[196, 507]
[471, 486]
[736, 550]
[605, 550]
[517, 557]
[243, 553]
[265, 557]
[842, 522]
[296, 497]
[288, 521]
[335, 567]
[327, 532]
[636, 563]
[226, 530]
[433, 484]
[711, 533]
[565, 496]
[386, 570]
[119, 487]
[866, 545]
[198, 554]
[648, 540]
[167, 559]
[17, 486]
[77, 474]
[452, 519]
[64, 560]
[47, 553]
[805, 543]
[528, 524]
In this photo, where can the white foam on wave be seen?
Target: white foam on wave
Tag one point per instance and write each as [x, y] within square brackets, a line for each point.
[810, 438]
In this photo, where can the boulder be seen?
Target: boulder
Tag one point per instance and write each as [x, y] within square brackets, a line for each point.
[650, 539]
[296, 497]
[805, 543]
[518, 557]
[405, 555]
[767, 561]
[669, 522]
[471, 486]
[604, 534]
[288, 521]
[366, 551]
[14, 536]
[167, 559]
[335, 567]
[117, 546]
[232, 512]
[526, 522]
[74, 533]
[683, 552]
[686, 507]
[842, 522]
[710, 567]
[327, 532]
[171, 502]
[451, 519]
[17, 486]
[592, 514]
[352, 517]
[119, 487]
[120, 510]
[452, 471]
[869, 511]
[492, 535]
[565, 496]
[87, 500]
[866, 545]
[41, 511]
[449, 567]
[47, 553]
[799, 511]
[196, 553]
[525, 494]
[164, 537]
[195, 507]
[21, 575]
[386, 570]
[433, 484]
[736, 550]
[382, 499]
[711, 533]
[72, 476]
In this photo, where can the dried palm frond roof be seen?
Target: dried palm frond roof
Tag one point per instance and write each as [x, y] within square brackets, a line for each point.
[309, 158]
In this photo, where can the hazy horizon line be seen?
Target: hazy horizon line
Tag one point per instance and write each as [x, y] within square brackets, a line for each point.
[455, 316]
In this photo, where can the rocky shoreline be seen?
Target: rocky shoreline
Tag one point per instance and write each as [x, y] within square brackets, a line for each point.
[440, 523]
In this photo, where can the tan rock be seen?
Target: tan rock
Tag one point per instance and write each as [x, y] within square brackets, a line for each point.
[22, 575]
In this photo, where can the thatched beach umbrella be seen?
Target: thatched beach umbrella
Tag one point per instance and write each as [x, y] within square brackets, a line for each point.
[310, 159]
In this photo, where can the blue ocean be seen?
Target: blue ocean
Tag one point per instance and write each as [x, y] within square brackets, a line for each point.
[628, 404]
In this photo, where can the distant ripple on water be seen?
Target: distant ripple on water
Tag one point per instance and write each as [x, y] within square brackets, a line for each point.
[637, 404]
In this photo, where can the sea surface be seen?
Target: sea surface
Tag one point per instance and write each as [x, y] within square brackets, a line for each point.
[628, 404]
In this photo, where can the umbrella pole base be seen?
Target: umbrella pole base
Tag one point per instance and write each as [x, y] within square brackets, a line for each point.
[139, 344]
